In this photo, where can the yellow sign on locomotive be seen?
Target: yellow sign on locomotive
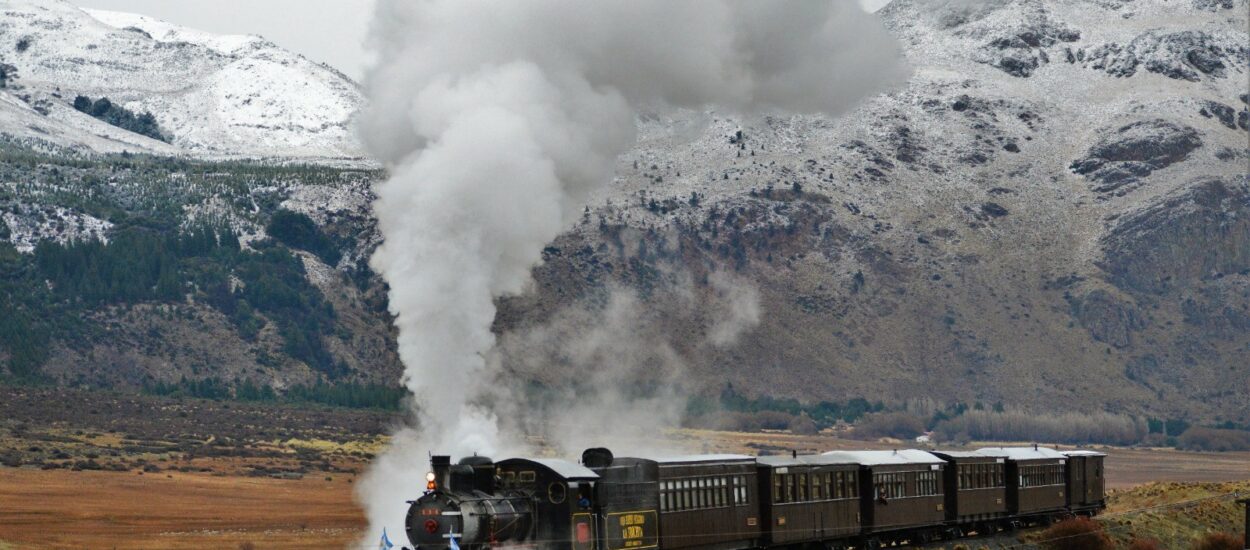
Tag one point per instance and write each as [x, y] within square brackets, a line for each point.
[632, 530]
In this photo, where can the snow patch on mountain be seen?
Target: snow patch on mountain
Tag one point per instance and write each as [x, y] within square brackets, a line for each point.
[217, 96]
[29, 224]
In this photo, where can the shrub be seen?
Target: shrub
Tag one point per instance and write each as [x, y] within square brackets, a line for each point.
[1076, 534]
[1219, 541]
[804, 425]
[1145, 544]
[742, 421]
[901, 425]
[1214, 439]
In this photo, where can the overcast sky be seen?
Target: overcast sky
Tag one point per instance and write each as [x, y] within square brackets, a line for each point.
[330, 31]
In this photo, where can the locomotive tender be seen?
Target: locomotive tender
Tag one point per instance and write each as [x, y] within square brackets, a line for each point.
[835, 500]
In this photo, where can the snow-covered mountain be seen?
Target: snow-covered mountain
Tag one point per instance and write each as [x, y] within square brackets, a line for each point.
[212, 95]
[1053, 212]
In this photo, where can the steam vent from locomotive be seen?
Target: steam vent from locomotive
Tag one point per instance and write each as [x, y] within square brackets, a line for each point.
[836, 500]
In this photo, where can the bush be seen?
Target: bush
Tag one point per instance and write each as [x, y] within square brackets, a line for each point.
[1076, 534]
[742, 421]
[1145, 544]
[804, 425]
[900, 425]
[1214, 439]
[1219, 541]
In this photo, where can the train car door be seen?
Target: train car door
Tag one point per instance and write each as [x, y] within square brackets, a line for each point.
[1093, 479]
[1078, 493]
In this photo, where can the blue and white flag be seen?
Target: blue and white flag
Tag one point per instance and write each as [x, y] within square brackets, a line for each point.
[386, 543]
[452, 537]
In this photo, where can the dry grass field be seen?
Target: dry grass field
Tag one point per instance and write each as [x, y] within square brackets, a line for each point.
[65, 509]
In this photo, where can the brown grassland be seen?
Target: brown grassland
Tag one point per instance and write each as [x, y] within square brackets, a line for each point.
[159, 479]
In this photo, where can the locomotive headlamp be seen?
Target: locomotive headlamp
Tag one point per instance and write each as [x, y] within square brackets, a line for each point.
[429, 476]
[429, 482]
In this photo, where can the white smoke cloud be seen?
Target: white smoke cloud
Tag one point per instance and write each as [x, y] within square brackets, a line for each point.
[497, 118]
[741, 303]
[607, 363]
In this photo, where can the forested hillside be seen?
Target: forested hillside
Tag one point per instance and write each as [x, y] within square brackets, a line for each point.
[140, 271]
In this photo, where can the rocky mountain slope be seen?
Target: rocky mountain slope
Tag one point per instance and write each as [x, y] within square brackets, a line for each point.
[1052, 213]
[212, 96]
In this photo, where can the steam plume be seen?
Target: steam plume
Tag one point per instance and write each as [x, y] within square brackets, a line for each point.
[497, 118]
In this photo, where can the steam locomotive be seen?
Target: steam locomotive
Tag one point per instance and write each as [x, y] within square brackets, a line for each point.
[835, 500]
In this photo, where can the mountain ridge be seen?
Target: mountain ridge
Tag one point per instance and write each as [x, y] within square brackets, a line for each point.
[216, 96]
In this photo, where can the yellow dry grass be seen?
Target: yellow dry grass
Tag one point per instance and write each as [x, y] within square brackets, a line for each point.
[60, 509]
[1175, 513]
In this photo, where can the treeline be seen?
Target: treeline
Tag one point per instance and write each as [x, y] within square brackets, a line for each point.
[955, 422]
[1200, 438]
[134, 265]
[346, 395]
[251, 288]
[732, 410]
[143, 124]
[1069, 428]
[27, 322]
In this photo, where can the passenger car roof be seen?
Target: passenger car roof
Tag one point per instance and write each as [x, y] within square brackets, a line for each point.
[1024, 453]
[803, 460]
[970, 454]
[881, 458]
[703, 459]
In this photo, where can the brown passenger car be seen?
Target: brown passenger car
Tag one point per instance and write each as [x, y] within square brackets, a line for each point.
[1086, 484]
[901, 494]
[1036, 482]
[808, 498]
[976, 490]
[709, 502]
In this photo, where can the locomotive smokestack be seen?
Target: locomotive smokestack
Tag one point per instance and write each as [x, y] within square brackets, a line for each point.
[441, 466]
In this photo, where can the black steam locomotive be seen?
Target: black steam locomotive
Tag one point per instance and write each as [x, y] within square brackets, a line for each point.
[839, 500]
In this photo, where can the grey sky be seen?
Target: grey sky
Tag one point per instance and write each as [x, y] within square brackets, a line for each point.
[330, 31]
